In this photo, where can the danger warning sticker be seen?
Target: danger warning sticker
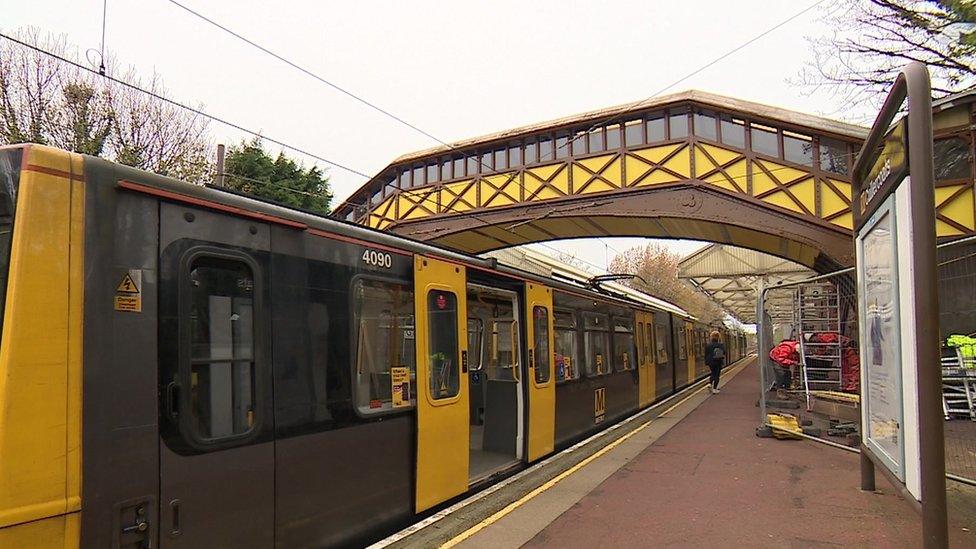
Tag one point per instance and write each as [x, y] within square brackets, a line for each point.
[128, 294]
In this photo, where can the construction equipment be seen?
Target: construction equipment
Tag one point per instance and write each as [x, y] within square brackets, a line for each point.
[816, 310]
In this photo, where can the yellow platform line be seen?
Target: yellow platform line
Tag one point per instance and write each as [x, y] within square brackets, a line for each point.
[555, 480]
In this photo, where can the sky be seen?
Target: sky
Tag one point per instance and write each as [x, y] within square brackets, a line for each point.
[456, 69]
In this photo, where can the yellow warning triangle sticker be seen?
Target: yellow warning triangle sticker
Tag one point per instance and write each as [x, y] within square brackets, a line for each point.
[127, 286]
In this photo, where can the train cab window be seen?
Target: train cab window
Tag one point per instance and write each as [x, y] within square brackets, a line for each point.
[540, 336]
[623, 344]
[661, 342]
[383, 327]
[567, 353]
[442, 344]
[597, 342]
[222, 379]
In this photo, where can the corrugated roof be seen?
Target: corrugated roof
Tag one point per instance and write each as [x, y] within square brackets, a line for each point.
[723, 102]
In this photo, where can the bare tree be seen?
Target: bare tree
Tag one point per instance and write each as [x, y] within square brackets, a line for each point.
[871, 40]
[658, 267]
[43, 100]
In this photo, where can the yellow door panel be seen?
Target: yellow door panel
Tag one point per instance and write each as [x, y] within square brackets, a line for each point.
[442, 381]
[542, 387]
[690, 344]
[646, 382]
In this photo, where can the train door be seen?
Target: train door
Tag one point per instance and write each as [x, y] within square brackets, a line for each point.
[689, 333]
[664, 353]
[495, 381]
[442, 381]
[216, 451]
[645, 353]
[542, 387]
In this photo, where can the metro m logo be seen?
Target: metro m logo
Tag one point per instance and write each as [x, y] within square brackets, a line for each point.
[599, 404]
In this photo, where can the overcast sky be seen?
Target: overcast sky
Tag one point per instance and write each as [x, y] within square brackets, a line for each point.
[456, 69]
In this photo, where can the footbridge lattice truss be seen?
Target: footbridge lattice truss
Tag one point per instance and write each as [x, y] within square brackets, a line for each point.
[689, 165]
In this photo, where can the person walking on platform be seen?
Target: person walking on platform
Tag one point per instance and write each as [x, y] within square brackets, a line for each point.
[715, 358]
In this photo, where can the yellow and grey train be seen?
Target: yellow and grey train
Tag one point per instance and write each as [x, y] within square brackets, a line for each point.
[181, 366]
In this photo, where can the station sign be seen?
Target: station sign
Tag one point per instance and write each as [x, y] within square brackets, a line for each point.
[897, 289]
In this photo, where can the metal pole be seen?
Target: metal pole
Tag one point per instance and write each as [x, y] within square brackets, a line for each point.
[761, 343]
[867, 470]
[219, 180]
[935, 527]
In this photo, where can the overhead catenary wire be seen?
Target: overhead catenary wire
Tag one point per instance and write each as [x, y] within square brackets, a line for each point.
[451, 147]
[177, 104]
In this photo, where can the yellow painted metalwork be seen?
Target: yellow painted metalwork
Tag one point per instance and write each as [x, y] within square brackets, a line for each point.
[58, 532]
[442, 424]
[542, 396]
[646, 382]
[799, 190]
[41, 355]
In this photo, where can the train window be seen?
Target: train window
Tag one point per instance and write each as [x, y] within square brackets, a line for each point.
[222, 365]
[623, 344]
[679, 336]
[641, 344]
[442, 344]
[476, 332]
[540, 337]
[649, 345]
[661, 342]
[597, 342]
[383, 324]
[567, 356]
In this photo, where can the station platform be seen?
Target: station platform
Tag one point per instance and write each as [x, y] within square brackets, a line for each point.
[690, 473]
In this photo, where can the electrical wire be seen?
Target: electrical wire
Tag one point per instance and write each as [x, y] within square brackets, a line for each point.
[606, 120]
[177, 104]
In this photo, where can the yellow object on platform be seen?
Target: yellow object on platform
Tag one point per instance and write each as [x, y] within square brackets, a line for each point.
[783, 425]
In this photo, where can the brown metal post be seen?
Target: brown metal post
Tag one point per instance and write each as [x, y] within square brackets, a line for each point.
[219, 180]
[867, 472]
[913, 84]
[935, 527]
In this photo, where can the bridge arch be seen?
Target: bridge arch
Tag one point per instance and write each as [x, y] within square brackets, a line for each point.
[690, 165]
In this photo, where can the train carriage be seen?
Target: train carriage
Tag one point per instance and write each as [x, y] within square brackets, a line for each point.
[185, 367]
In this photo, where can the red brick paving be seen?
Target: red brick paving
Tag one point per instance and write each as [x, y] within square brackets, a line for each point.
[710, 482]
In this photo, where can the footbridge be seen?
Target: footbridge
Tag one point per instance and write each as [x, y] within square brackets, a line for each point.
[690, 165]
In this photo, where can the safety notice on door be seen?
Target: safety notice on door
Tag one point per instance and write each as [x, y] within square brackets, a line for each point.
[128, 294]
[400, 379]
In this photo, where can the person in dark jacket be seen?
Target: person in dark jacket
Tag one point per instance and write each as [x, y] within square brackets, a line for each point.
[715, 358]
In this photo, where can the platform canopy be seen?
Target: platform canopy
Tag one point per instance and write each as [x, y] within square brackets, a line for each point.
[729, 275]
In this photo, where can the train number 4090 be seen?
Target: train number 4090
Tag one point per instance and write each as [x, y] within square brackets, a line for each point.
[377, 259]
